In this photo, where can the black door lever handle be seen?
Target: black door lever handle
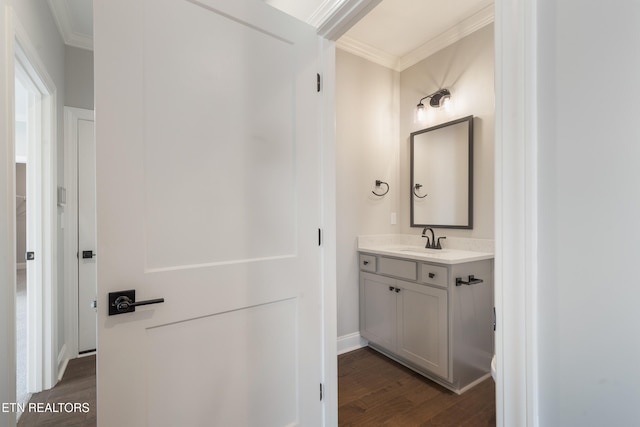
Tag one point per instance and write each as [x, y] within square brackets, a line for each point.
[125, 302]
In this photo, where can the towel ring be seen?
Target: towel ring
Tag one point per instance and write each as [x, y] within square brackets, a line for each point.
[378, 184]
[415, 189]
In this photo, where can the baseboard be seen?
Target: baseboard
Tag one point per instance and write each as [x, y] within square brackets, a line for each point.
[350, 342]
[63, 361]
[21, 266]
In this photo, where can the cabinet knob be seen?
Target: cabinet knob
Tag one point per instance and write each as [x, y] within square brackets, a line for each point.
[365, 262]
[391, 288]
[432, 275]
[397, 290]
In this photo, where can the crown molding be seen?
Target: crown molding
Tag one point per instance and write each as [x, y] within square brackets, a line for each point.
[368, 52]
[335, 17]
[476, 21]
[60, 12]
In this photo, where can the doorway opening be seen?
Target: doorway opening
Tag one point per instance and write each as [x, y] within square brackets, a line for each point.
[21, 117]
[34, 140]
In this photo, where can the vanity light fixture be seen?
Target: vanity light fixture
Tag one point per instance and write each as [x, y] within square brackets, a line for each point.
[437, 99]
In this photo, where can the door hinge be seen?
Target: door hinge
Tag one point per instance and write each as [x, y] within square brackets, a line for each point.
[319, 85]
[494, 319]
[319, 236]
[321, 391]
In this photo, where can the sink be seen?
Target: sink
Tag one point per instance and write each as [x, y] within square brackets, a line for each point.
[423, 250]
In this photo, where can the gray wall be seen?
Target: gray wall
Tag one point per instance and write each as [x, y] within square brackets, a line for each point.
[366, 150]
[21, 212]
[78, 76]
[374, 117]
[588, 321]
[466, 68]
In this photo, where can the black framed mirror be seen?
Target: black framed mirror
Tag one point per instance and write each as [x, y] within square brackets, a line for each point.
[442, 175]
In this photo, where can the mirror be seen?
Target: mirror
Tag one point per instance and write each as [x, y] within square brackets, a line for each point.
[442, 175]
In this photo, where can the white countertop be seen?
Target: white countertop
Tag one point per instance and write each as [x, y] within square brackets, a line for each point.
[395, 248]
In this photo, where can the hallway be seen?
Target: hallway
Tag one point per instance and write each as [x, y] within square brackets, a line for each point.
[22, 396]
[77, 387]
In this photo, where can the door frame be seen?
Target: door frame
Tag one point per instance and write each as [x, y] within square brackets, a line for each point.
[71, 117]
[516, 203]
[43, 316]
[513, 349]
[516, 213]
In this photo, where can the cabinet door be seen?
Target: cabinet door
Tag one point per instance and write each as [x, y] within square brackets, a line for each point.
[423, 327]
[378, 310]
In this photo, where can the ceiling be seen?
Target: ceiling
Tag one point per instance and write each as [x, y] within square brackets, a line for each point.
[396, 33]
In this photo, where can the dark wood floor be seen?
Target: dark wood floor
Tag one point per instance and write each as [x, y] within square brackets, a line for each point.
[373, 390]
[78, 385]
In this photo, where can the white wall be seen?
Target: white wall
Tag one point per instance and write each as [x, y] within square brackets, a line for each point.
[366, 149]
[589, 194]
[466, 68]
[7, 247]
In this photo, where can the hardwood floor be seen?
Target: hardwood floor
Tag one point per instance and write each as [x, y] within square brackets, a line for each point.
[78, 386]
[374, 390]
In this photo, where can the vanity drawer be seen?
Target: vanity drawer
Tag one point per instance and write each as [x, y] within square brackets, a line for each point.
[433, 274]
[368, 263]
[398, 268]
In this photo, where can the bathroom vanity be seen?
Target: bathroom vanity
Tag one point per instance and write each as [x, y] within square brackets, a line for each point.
[431, 310]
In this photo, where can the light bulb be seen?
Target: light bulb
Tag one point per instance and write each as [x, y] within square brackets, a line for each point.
[420, 112]
[446, 103]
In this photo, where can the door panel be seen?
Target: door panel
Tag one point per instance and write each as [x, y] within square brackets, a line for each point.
[238, 193]
[87, 286]
[208, 196]
[378, 319]
[245, 342]
[423, 327]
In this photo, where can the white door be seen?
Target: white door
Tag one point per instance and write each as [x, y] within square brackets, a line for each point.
[208, 195]
[87, 286]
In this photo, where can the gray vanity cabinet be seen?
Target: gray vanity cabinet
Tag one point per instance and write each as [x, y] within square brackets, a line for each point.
[422, 330]
[378, 309]
[413, 312]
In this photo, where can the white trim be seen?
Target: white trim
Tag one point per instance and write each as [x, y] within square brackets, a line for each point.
[351, 342]
[471, 24]
[368, 52]
[63, 360]
[43, 308]
[71, 117]
[8, 226]
[323, 12]
[516, 213]
[328, 219]
[61, 13]
[340, 16]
